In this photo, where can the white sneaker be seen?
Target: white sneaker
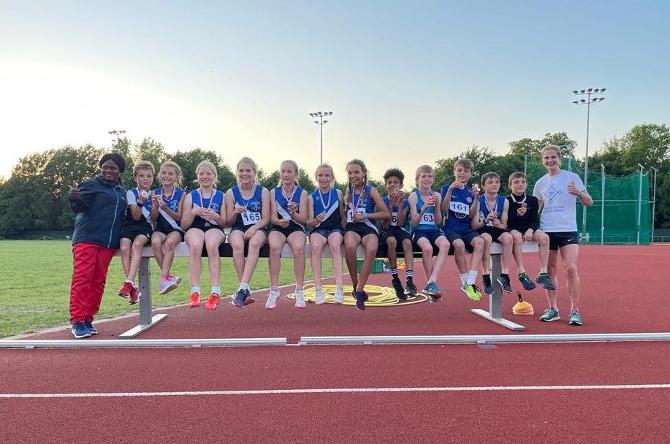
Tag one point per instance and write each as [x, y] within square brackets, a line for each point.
[320, 298]
[339, 295]
[300, 299]
[272, 299]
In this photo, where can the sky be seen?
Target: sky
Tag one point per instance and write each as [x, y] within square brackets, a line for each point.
[408, 82]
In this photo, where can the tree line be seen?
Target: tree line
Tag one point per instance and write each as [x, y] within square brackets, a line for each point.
[34, 198]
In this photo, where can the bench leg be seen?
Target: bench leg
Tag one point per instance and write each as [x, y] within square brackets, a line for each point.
[146, 319]
[495, 300]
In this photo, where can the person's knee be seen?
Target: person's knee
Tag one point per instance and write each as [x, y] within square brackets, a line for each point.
[426, 249]
[506, 240]
[543, 240]
[572, 270]
[459, 246]
[478, 243]
[516, 237]
[391, 242]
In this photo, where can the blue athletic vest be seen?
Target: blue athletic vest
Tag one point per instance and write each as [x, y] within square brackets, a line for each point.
[254, 206]
[427, 221]
[172, 203]
[330, 198]
[395, 211]
[459, 208]
[214, 203]
[282, 202]
[484, 210]
[146, 209]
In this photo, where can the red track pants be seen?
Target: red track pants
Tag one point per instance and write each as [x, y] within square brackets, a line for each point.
[90, 264]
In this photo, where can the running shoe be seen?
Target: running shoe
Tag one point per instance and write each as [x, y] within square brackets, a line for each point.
[545, 280]
[432, 291]
[194, 300]
[488, 286]
[126, 289]
[272, 299]
[504, 282]
[300, 299]
[410, 288]
[575, 317]
[397, 286]
[79, 330]
[248, 298]
[361, 297]
[339, 295]
[134, 296]
[212, 301]
[167, 284]
[238, 301]
[91, 329]
[526, 282]
[319, 298]
[550, 314]
[472, 291]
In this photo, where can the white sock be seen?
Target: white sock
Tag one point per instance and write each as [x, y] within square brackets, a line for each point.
[216, 290]
[472, 277]
[464, 278]
[244, 286]
[195, 289]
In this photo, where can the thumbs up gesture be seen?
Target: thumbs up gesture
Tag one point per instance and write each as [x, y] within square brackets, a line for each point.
[572, 189]
[74, 191]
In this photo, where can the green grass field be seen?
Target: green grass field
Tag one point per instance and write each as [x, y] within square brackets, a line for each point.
[35, 284]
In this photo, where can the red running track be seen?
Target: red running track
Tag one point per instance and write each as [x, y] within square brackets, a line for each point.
[623, 290]
[584, 415]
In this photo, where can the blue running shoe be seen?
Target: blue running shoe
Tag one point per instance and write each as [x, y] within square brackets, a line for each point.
[361, 297]
[575, 317]
[526, 282]
[488, 286]
[550, 314]
[433, 291]
[238, 301]
[545, 280]
[80, 331]
[91, 329]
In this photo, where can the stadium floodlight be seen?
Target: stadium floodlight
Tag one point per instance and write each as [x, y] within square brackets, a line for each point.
[588, 101]
[321, 122]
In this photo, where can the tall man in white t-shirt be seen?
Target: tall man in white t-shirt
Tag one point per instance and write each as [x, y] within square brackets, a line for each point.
[556, 192]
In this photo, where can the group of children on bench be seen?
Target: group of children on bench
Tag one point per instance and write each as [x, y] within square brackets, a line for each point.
[458, 216]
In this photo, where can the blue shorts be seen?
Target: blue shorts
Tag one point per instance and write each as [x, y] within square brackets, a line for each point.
[467, 236]
[326, 232]
[431, 235]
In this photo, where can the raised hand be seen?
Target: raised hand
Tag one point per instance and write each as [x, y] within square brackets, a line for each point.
[572, 189]
[74, 191]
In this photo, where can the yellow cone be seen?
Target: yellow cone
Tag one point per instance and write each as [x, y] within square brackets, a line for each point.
[522, 307]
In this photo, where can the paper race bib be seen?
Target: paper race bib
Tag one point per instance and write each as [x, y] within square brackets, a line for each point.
[459, 207]
[394, 219]
[427, 219]
[251, 217]
[350, 214]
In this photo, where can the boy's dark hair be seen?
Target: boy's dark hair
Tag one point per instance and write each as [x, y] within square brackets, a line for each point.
[394, 172]
[116, 158]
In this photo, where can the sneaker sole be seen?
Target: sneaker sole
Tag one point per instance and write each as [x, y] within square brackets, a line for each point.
[466, 293]
[551, 320]
[87, 335]
[168, 289]
[502, 287]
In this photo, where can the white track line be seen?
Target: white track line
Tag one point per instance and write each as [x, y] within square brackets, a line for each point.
[308, 391]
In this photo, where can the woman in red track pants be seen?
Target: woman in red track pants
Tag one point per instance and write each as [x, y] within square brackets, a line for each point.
[100, 203]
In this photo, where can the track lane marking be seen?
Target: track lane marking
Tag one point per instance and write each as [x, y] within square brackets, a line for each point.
[337, 390]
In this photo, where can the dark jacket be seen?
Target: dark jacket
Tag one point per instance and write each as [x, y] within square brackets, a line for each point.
[99, 212]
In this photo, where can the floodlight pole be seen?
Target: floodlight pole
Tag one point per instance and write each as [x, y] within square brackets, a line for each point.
[588, 101]
[320, 115]
[653, 206]
[602, 204]
[639, 207]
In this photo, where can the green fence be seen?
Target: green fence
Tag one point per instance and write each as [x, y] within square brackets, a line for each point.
[621, 211]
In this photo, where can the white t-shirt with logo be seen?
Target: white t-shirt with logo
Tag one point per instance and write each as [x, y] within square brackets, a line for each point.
[559, 213]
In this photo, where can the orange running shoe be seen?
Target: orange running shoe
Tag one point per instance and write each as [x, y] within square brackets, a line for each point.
[212, 301]
[195, 300]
